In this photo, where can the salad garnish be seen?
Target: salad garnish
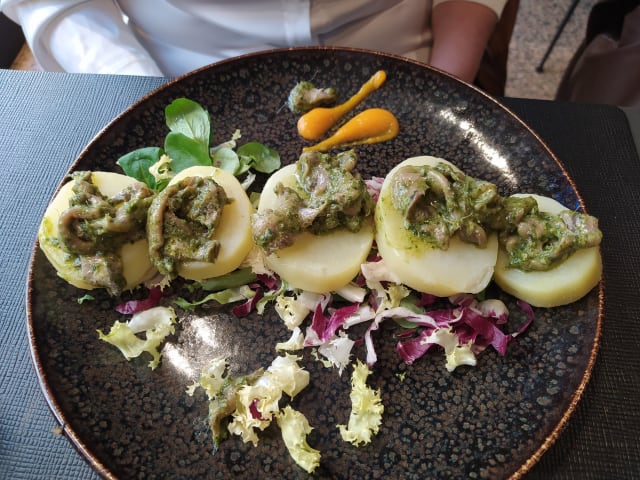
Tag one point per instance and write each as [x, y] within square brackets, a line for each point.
[188, 144]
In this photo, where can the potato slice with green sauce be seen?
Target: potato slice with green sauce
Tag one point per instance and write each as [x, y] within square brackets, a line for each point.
[317, 263]
[563, 284]
[233, 232]
[135, 259]
[461, 268]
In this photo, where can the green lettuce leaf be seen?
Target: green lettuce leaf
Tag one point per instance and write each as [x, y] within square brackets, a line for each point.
[190, 119]
[137, 163]
[185, 152]
[223, 297]
[259, 157]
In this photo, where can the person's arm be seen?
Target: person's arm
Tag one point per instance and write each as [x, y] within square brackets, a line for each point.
[80, 37]
[461, 30]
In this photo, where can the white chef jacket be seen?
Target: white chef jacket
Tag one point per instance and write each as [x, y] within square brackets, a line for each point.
[172, 37]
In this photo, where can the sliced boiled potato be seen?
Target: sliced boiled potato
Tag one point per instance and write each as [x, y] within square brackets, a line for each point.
[137, 266]
[317, 263]
[462, 268]
[233, 232]
[563, 284]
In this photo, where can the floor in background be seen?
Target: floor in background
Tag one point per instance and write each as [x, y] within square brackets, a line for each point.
[535, 27]
[24, 60]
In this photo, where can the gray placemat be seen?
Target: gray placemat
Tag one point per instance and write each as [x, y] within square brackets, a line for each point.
[43, 116]
[633, 116]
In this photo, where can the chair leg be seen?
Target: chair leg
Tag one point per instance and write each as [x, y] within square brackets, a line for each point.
[563, 23]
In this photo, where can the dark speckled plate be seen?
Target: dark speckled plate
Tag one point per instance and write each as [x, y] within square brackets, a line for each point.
[491, 421]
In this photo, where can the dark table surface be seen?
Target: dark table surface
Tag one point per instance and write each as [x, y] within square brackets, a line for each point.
[47, 118]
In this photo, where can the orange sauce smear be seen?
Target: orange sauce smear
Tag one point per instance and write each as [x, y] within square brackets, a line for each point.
[315, 123]
[370, 126]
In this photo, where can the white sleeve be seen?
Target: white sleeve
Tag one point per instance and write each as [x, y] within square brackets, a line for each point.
[495, 5]
[80, 36]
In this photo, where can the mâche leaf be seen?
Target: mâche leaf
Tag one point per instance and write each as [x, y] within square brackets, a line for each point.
[188, 144]
[189, 118]
[136, 164]
[259, 157]
[185, 152]
[226, 159]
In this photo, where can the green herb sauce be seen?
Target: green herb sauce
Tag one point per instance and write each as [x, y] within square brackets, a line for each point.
[94, 227]
[328, 195]
[182, 222]
[439, 202]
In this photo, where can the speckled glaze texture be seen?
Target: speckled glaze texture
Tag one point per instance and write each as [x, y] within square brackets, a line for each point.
[490, 421]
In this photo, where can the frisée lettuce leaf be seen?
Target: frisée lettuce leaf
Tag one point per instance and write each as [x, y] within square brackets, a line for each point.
[295, 428]
[157, 323]
[222, 391]
[258, 403]
[291, 310]
[366, 408]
